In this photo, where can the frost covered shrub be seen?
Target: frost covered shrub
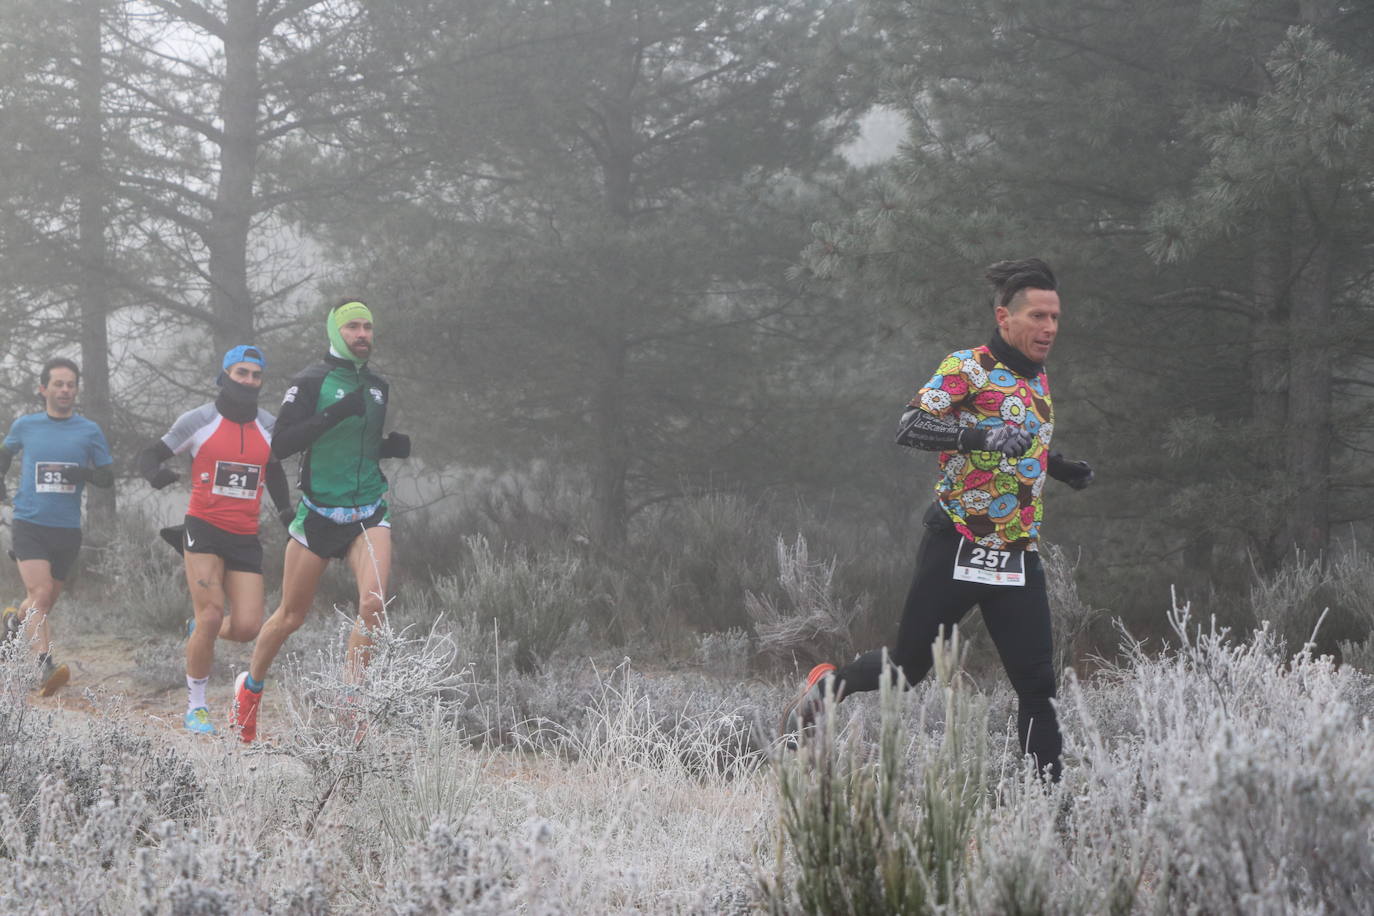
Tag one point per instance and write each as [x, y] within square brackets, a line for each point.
[1072, 617]
[1218, 776]
[712, 549]
[1329, 598]
[526, 602]
[439, 785]
[339, 717]
[810, 623]
[143, 571]
[40, 748]
[118, 857]
[725, 654]
[887, 829]
[472, 869]
[1244, 781]
[1358, 654]
[628, 724]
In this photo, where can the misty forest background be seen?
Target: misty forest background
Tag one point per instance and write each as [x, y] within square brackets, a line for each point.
[652, 287]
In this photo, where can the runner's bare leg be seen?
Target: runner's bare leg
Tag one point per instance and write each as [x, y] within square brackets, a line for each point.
[205, 578]
[245, 593]
[299, 580]
[42, 592]
[370, 559]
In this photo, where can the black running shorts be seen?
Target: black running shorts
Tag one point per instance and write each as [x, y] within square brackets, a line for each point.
[329, 539]
[240, 552]
[59, 546]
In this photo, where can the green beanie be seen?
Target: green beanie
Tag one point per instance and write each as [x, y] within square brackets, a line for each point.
[338, 317]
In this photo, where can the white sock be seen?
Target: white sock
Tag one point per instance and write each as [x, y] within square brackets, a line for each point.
[195, 692]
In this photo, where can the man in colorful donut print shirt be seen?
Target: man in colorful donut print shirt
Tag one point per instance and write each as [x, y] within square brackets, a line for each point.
[988, 412]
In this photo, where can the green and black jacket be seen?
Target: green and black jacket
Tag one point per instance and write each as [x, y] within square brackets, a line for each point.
[339, 466]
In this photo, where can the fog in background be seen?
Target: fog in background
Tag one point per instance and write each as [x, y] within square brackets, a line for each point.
[654, 280]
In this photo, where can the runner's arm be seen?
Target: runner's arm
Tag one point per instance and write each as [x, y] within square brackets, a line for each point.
[102, 476]
[1077, 474]
[925, 431]
[298, 426]
[929, 421]
[277, 487]
[150, 465]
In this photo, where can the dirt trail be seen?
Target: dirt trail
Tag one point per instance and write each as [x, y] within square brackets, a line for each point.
[106, 681]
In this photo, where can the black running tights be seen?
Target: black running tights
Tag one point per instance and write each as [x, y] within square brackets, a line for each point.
[1017, 617]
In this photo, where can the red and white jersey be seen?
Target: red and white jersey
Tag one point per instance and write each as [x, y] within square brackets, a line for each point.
[228, 464]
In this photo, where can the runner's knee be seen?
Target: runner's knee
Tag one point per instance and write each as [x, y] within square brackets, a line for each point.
[1034, 683]
[40, 598]
[291, 618]
[243, 630]
[370, 609]
[209, 611]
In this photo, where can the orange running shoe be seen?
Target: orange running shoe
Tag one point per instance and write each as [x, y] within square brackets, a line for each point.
[800, 716]
[243, 714]
[54, 677]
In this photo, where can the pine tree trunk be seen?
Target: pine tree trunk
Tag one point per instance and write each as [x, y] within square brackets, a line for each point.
[612, 455]
[92, 228]
[231, 218]
[612, 458]
[1308, 435]
[1268, 360]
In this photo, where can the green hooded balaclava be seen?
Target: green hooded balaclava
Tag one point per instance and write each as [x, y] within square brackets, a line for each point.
[339, 316]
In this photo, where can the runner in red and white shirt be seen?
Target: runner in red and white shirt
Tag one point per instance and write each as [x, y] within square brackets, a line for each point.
[230, 443]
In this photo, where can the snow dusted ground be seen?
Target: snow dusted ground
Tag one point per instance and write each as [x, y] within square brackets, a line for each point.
[1219, 775]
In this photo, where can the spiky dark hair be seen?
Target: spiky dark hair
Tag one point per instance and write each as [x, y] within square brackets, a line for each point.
[1010, 277]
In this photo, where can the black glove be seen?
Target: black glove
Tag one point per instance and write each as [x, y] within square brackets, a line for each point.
[74, 475]
[286, 516]
[350, 405]
[1011, 441]
[1077, 474]
[164, 477]
[395, 445]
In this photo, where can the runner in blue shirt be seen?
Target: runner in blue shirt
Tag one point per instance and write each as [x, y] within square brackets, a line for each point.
[62, 453]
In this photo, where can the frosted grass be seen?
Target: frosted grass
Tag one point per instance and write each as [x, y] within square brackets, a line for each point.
[1223, 774]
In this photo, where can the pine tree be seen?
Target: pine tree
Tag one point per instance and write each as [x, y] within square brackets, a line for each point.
[611, 196]
[1204, 230]
[57, 234]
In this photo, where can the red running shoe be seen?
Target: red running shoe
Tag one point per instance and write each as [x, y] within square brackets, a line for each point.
[243, 714]
[800, 716]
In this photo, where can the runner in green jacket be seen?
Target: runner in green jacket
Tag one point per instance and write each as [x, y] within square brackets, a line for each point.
[333, 414]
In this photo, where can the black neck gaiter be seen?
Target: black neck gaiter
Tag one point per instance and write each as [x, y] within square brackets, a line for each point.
[1009, 356]
[237, 402]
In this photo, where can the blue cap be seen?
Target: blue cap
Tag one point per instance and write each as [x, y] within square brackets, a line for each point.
[243, 353]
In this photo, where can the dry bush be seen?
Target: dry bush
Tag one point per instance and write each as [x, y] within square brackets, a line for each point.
[1071, 616]
[810, 623]
[885, 829]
